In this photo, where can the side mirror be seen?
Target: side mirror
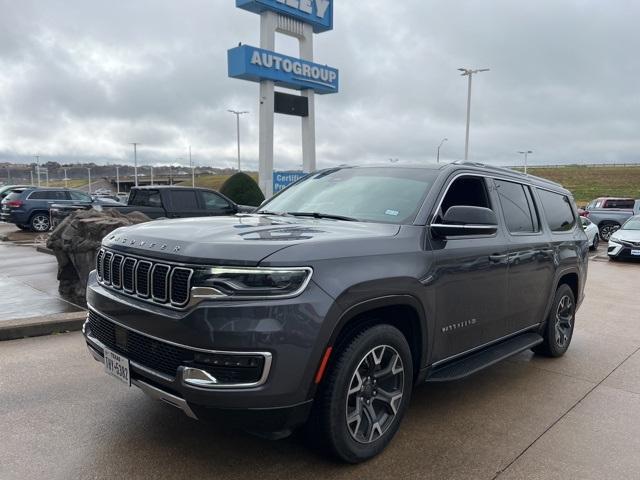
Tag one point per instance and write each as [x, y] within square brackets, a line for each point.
[466, 220]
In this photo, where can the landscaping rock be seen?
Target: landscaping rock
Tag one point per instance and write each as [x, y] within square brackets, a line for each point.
[76, 241]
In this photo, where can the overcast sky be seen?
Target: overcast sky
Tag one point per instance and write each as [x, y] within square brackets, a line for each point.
[80, 79]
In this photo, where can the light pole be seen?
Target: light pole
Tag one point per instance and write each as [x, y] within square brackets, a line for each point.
[526, 154]
[193, 170]
[237, 113]
[439, 146]
[151, 167]
[135, 161]
[37, 157]
[118, 180]
[65, 177]
[89, 176]
[467, 72]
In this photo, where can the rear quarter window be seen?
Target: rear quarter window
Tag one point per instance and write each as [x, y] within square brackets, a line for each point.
[558, 211]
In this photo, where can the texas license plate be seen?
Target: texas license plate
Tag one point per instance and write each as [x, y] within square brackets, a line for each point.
[117, 366]
[635, 252]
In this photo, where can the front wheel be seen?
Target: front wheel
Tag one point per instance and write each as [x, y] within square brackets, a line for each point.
[596, 242]
[559, 328]
[366, 393]
[40, 222]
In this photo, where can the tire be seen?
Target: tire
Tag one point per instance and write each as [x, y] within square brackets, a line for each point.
[353, 390]
[595, 243]
[558, 330]
[607, 229]
[40, 222]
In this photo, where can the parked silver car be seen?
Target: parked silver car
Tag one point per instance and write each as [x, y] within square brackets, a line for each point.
[625, 242]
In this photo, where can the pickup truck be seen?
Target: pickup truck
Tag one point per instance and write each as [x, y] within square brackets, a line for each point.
[610, 213]
[165, 202]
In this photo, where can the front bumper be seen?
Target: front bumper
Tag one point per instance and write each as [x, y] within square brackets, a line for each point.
[619, 250]
[290, 332]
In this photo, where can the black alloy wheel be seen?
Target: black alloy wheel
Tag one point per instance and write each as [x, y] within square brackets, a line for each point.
[365, 393]
[560, 323]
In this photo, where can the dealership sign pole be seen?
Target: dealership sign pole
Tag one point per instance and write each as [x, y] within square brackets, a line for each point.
[299, 19]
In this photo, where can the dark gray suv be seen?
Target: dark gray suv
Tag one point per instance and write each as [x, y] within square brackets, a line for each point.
[340, 294]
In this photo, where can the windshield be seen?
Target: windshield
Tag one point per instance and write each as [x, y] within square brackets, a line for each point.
[366, 194]
[632, 224]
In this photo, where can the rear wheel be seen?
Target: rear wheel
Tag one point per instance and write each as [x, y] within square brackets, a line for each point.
[559, 328]
[40, 222]
[366, 393]
[607, 229]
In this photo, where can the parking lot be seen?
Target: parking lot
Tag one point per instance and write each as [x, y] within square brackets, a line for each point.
[529, 417]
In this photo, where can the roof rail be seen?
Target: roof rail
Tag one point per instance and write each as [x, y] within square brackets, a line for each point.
[510, 171]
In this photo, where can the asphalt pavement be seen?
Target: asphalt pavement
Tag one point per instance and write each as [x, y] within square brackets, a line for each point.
[577, 417]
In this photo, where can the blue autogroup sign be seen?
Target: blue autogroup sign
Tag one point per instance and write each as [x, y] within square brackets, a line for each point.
[256, 64]
[282, 180]
[317, 13]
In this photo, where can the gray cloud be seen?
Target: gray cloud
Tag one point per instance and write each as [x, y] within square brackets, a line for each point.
[81, 79]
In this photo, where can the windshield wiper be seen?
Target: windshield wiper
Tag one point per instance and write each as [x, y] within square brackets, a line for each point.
[323, 215]
[267, 212]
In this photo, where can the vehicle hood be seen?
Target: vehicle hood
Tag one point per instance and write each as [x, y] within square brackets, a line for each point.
[236, 240]
[628, 235]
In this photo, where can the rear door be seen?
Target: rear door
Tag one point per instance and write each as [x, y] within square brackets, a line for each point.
[214, 204]
[469, 276]
[531, 267]
[182, 204]
[147, 201]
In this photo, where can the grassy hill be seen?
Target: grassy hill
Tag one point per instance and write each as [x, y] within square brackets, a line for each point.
[213, 181]
[587, 183]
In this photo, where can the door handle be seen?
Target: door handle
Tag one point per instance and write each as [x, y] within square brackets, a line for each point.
[497, 258]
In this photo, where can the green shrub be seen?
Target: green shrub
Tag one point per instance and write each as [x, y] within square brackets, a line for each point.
[243, 190]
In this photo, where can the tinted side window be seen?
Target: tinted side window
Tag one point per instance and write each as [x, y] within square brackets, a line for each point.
[212, 201]
[619, 204]
[146, 198]
[469, 191]
[183, 200]
[517, 206]
[80, 196]
[48, 195]
[557, 209]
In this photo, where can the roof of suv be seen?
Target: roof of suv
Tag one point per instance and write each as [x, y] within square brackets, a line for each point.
[481, 168]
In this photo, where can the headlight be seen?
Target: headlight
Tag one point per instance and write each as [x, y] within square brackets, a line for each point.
[614, 240]
[241, 282]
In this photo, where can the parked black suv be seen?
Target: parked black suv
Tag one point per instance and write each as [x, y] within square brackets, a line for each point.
[343, 292]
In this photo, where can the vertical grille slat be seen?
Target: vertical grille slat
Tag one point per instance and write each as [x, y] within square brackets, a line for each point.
[159, 283]
[116, 271]
[154, 282]
[142, 278]
[106, 267]
[99, 265]
[180, 282]
[128, 275]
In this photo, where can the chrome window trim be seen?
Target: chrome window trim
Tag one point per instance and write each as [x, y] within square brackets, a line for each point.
[166, 283]
[148, 278]
[266, 370]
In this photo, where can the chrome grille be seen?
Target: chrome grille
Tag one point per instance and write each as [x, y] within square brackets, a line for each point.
[149, 280]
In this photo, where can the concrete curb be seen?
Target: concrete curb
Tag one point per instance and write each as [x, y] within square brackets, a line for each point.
[42, 325]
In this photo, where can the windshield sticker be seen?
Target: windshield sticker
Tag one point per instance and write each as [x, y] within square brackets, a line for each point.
[392, 212]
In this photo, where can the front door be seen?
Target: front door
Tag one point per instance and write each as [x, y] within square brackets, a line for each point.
[469, 276]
